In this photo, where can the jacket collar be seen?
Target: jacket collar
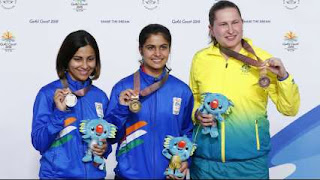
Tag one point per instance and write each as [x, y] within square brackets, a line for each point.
[214, 50]
[150, 79]
[76, 85]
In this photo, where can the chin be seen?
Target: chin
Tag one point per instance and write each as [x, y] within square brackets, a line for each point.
[83, 78]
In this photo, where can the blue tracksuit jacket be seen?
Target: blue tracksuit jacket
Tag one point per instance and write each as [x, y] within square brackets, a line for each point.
[55, 134]
[140, 136]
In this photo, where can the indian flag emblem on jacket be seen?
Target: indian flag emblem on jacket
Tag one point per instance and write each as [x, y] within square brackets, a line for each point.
[64, 135]
[131, 139]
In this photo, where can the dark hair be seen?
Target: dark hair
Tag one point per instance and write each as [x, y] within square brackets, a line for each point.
[151, 29]
[218, 6]
[70, 46]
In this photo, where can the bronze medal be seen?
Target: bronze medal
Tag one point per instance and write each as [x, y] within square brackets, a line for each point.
[264, 81]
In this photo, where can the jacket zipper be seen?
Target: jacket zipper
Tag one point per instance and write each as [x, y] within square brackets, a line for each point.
[83, 143]
[154, 135]
[257, 135]
[223, 132]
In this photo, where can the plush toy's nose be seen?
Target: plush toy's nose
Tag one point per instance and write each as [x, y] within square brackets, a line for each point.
[214, 104]
[182, 144]
[99, 128]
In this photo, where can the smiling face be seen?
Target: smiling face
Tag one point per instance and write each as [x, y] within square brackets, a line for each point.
[82, 64]
[227, 28]
[155, 52]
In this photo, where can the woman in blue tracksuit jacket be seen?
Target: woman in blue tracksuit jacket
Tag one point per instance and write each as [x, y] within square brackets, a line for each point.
[166, 111]
[55, 127]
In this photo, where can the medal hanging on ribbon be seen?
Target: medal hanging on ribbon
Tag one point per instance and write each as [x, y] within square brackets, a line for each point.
[264, 80]
[71, 99]
[134, 104]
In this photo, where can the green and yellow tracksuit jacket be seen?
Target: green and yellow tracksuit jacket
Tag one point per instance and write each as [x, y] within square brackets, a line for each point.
[244, 134]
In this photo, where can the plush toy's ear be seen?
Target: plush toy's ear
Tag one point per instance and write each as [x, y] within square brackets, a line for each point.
[167, 141]
[82, 128]
[113, 130]
[194, 147]
[203, 96]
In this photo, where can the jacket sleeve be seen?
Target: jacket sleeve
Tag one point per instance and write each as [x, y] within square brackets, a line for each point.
[285, 95]
[117, 114]
[187, 125]
[194, 87]
[105, 106]
[47, 122]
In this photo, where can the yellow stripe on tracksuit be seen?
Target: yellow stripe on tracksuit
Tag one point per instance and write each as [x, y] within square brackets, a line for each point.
[257, 135]
[223, 142]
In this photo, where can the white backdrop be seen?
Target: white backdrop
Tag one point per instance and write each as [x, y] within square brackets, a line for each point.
[33, 30]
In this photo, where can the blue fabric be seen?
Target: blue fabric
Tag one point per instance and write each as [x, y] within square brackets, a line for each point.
[65, 160]
[146, 160]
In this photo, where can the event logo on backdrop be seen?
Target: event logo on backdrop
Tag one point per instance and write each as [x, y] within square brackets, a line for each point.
[290, 41]
[8, 4]
[79, 5]
[150, 4]
[8, 41]
[291, 4]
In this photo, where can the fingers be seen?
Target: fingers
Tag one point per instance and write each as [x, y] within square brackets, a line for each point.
[59, 97]
[206, 119]
[183, 169]
[126, 95]
[99, 150]
[275, 66]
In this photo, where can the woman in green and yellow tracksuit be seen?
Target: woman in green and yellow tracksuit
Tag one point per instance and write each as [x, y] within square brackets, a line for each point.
[241, 149]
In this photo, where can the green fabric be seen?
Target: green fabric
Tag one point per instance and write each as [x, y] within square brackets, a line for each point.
[61, 141]
[130, 146]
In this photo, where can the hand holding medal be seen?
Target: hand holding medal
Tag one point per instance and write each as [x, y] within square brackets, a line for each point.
[60, 98]
[264, 80]
[130, 98]
[135, 104]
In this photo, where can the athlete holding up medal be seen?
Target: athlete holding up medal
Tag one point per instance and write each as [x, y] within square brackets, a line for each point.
[62, 104]
[146, 107]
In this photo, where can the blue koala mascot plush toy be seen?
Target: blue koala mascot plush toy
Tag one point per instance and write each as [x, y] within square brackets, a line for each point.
[94, 131]
[177, 149]
[217, 105]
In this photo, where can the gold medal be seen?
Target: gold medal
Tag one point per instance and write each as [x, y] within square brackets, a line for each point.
[264, 81]
[135, 105]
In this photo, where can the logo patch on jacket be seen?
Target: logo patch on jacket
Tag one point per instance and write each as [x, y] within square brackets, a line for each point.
[99, 109]
[245, 68]
[176, 105]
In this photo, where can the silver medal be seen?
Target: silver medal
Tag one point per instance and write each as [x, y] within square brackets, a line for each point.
[71, 100]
